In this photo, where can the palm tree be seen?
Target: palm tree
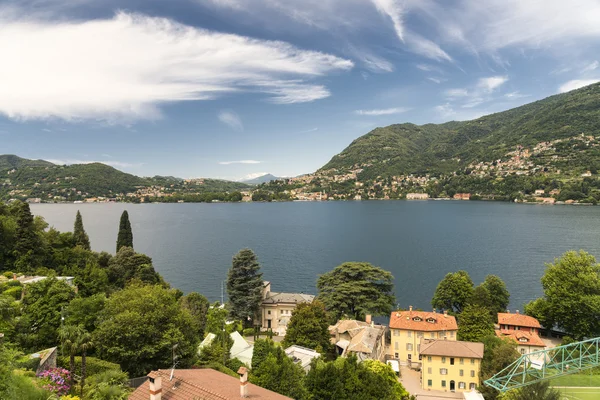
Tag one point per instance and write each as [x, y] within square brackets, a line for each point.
[540, 390]
[85, 343]
[69, 336]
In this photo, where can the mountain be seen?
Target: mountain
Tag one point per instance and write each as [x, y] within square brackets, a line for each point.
[260, 179]
[403, 149]
[22, 178]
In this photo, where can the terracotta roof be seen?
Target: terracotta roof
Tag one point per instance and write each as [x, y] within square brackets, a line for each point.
[279, 297]
[201, 384]
[532, 338]
[417, 321]
[451, 348]
[518, 320]
[364, 336]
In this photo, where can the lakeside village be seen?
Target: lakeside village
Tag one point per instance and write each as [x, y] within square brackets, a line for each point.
[80, 324]
[539, 160]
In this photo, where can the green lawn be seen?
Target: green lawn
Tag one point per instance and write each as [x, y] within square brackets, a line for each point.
[579, 393]
[582, 379]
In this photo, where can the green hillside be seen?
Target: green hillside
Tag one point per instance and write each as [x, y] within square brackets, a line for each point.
[435, 149]
[10, 161]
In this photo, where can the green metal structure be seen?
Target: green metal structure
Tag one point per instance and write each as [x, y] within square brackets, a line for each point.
[547, 364]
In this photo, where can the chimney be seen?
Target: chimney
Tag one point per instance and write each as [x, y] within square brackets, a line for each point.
[517, 311]
[434, 311]
[368, 318]
[155, 385]
[409, 308]
[445, 313]
[243, 373]
[14, 277]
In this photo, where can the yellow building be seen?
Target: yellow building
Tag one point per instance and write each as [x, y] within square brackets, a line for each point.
[407, 328]
[450, 365]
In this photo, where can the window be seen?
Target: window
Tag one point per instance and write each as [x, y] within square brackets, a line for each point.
[451, 360]
[443, 360]
[462, 361]
[471, 386]
[523, 339]
[472, 361]
[409, 347]
[522, 351]
[409, 356]
[269, 312]
[429, 383]
[461, 385]
[420, 334]
[417, 319]
[461, 372]
[431, 320]
[429, 358]
[429, 370]
[418, 348]
[472, 374]
[432, 334]
[440, 335]
[443, 371]
[396, 356]
[409, 333]
[420, 357]
[451, 333]
[517, 328]
[395, 345]
[443, 383]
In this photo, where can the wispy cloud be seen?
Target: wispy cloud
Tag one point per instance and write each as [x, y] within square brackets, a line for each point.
[425, 47]
[384, 111]
[160, 61]
[445, 110]
[253, 175]
[456, 93]
[516, 95]
[309, 130]
[576, 84]
[436, 80]
[240, 162]
[492, 83]
[394, 10]
[116, 164]
[591, 67]
[231, 119]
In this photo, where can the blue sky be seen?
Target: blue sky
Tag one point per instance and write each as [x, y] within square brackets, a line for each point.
[232, 88]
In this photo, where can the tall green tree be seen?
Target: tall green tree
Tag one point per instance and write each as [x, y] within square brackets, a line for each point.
[498, 354]
[125, 236]
[308, 327]
[492, 294]
[86, 343]
[139, 326]
[127, 265]
[79, 236]
[475, 323]
[27, 242]
[244, 286]
[69, 336]
[453, 292]
[355, 289]
[571, 296]
[280, 374]
[197, 305]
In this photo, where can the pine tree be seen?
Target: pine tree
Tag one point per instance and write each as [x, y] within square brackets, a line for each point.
[244, 286]
[27, 242]
[81, 238]
[125, 237]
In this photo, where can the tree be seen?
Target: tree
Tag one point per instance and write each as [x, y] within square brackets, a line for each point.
[308, 327]
[355, 289]
[127, 265]
[539, 390]
[69, 336]
[571, 296]
[385, 371]
[125, 236]
[27, 241]
[474, 324]
[81, 238]
[85, 311]
[197, 305]
[453, 292]
[139, 327]
[492, 294]
[86, 343]
[280, 374]
[498, 354]
[244, 286]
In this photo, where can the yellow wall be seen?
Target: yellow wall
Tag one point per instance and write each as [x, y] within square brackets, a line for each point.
[401, 337]
[431, 371]
[277, 311]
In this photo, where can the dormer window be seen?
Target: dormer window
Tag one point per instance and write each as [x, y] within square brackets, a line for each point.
[417, 319]
[431, 320]
[522, 339]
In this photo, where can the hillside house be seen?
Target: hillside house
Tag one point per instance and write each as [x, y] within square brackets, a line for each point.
[417, 196]
[363, 339]
[276, 308]
[302, 356]
[523, 329]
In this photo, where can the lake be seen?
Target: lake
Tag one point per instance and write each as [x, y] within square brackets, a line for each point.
[418, 241]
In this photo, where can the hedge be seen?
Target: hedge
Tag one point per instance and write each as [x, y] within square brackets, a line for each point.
[14, 292]
[93, 365]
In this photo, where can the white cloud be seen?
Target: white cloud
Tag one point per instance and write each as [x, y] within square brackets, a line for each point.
[425, 47]
[591, 67]
[445, 110]
[394, 10]
[309, 130]
[253, 175]
[456, 93]
[426, 67]
[492, 83]
[116, 164]
[576, 84]
[231, 119]
[239, 162]
[516, 95]
[126, 67]
[436, 80]
[385, 111]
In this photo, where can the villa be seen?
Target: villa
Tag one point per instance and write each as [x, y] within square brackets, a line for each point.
[276, 308]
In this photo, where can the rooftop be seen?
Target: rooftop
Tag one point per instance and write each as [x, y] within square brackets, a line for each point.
[522, 337]
[451, 348]
[301, 355]
[422, 321]
[280, 297]
[518, 320]
[201, 384]
[363, 336]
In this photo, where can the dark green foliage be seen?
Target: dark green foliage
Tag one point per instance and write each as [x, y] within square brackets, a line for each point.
[127, 265]
[475, 323]
[491, 294]
[262, 348]
[539, 390]
[27, 242]
[234, 364]
[84, 311]
[197, 305]
[218, 351]
[308, 327]
[38, 326]
[93, 365]
[355, 289]
[454, 292]
[139, 327]
[10, 161]
[279, 373]
[498, 354]
[571, 296]
[125, 236]
[79, 236]
[244, 286]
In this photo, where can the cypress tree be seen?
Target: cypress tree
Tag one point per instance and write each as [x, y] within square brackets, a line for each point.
[27, 242]
[81, 238]
[125, 237]
[244, 286]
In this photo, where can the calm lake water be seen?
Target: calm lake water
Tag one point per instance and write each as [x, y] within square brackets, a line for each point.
[419, 242]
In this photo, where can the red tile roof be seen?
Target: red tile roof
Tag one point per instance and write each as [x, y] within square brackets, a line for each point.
[518, 320]
[417, 321]
[532, 339]
[202, 384]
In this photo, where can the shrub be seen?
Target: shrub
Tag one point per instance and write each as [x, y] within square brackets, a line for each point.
[248, 332]
[234, 364]
[28, 363]
[8, 274]
[14, 292]
[93, 365]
